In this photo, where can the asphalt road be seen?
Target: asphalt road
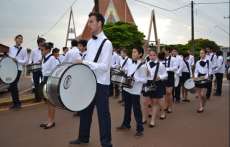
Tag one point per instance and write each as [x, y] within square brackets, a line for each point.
[183, 128]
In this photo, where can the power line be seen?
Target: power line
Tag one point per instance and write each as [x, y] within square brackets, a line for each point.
[211, 3]
[54, 25]
[169, 10]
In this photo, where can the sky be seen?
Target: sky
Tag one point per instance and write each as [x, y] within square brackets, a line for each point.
[32, 18]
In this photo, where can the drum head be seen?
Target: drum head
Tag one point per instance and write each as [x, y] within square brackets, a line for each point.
[8, 70]
[177, 80]
[77, 87]
[189, 84]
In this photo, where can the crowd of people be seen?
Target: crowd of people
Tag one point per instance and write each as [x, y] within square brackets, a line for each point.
[147, 69]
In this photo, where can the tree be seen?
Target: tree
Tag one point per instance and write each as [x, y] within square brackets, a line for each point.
[124, 35]
[199, 44]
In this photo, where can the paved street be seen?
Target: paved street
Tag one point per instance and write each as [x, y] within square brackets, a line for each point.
[183, 128]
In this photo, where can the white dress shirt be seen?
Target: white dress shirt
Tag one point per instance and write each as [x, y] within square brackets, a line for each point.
[49, 65]
[83, 54]
[162, 72]
[36, 56]
[212, 60]
[21, 58]
[184, 68]
[115, 60]
[191, 60]
[140, 77]
[102, 67]
[202, 70]
[72, 55]
[220, 66]
[62, 58]
[173, 64]
[125, 64]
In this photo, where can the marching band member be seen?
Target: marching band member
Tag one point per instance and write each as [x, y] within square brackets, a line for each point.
[137, 70]
[176, 90]
[219, 72]
[73, 54]
[185, 71]
[157, 73]
[191, 59]
[100, 63]
[55, 53]
[62, 56]
[211, 56]
[203, 71]
[19, 54]
[115, 64]
[171, 67]
[49, 63]
[36, 58]
[82, 47]
[161, 59]
[124, 59]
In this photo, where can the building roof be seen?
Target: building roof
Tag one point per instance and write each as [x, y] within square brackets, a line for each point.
[121, 9]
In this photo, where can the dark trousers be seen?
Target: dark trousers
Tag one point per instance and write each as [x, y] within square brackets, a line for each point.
[114, 87]
[37, 77]
[101, 101]
[14, 90]
[209, 88]
[176, 92]
[132, 101]
[219, 80]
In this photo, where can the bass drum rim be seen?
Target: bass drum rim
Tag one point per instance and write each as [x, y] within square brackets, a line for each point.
[59, 84]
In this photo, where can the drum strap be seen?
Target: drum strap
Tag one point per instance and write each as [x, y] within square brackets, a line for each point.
[169, 60]
[124, 62]
[212, 57]
[137, 68]
[208, 66]
[46, 59]
[19, 50]
[99, 51]
[186, 62]
[156, 72]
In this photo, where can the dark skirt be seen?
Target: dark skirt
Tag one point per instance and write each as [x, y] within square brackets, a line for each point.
[170, 81]
[158, 93]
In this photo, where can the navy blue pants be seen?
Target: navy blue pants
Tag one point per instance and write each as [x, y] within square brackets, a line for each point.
[101, 101]
[37, 77]
[209, 87]
[219, 81]
[14, 90]
[132, 101]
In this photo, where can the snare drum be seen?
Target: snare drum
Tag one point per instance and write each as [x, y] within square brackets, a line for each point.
[119, 77]
[71, 86]
[150, 86]
[8, 70]
[34, 67]
[200, 82]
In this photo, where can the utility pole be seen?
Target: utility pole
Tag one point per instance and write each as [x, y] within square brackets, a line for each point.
[192, 27]
[96, 2]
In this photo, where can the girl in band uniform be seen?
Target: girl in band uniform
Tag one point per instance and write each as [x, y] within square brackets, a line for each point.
[202, 70]
[156, 74]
